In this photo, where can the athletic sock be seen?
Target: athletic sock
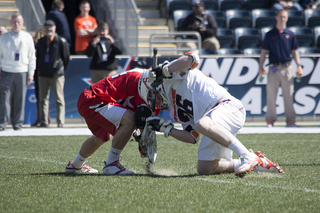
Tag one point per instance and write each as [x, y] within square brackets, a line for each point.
[238, 147]
[236, 164]
[79, 161]
[114, 155]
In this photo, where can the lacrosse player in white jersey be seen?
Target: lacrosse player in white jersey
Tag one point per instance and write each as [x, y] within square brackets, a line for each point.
[203, 107]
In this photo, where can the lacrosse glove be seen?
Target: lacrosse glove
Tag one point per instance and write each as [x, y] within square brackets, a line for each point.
[160, 125]
[142, 149]
[159, 73]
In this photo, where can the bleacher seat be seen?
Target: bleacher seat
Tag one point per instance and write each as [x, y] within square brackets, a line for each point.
[209, 4]
[308, 50]
[263, 18]
[263, 32]
[256, 4]
[229, 5]
[295, 18]
[238, 18]
[247, 38]
[252, 51]
[229, 51]
[304, 36]
[219, 17]
[178, 17]
[312, 18]
[225, 38]
[172, 5]
[316, 32]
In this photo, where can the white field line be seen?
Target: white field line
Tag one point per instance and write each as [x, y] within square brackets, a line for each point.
[261, 185]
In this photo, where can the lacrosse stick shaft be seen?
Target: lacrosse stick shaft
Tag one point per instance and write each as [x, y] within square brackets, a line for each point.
[154, 100]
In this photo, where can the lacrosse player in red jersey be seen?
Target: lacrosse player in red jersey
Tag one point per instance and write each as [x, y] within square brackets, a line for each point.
[108, 108]
[202, 107]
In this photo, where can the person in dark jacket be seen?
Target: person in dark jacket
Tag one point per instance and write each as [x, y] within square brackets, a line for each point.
[103, 50]
[53, 58]
[203, 23]
[57, 15]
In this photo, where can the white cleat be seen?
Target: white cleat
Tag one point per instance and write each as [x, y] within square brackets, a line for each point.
[84, 169]
[247, 164]
[116, 168]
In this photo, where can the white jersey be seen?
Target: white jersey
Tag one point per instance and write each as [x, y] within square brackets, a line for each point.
[191, 95]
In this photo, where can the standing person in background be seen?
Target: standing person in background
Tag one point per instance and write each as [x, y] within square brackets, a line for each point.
[60, 19]
[103, 50]
[85, 28]
[310, 4]
[52, 60]
[280, 43]
[203, 23]
[17, 63]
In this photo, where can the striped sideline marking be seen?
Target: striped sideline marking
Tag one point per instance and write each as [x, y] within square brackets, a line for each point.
[85, 131]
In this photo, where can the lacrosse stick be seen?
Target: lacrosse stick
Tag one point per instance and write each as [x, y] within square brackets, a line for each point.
[148, 137]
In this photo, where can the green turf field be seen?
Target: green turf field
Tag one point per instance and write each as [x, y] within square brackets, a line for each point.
[32, 178]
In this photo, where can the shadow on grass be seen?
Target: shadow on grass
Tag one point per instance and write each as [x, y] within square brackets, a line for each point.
[100, 174]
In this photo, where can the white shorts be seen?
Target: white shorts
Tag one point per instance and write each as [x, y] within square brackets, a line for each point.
[230, 115]
[112, 113]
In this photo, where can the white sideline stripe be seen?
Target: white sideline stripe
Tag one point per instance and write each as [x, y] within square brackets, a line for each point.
[261, 185]
[86, 131]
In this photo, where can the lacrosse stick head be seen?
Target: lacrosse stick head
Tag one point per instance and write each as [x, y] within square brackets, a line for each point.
[149, 141]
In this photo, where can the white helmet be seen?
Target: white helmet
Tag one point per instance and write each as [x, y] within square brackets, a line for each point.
[144, 87]
[145, 90]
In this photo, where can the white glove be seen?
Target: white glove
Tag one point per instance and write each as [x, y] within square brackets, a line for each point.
[160, 125]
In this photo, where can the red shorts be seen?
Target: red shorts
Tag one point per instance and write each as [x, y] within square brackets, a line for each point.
[95, 113]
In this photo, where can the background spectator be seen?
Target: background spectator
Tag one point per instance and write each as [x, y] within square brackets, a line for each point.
[203, 23]
[281, 43]
[103, 50]
[310, 4]
[286, 4]
[60, 19]
[3, 30]
[17, 62]
[53, 57]
[85, 28]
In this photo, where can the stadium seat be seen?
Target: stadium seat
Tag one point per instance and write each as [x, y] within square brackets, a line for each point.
[252, 51]
[316, 32]
[172, 5]
[263, 18]
[178, 17]
[312, 18]
[308, 50]
[263, 32]
[304, 36]
[247, 38]
[238, 18]
[256, 4]
[229, 4]
[229, 51]
[225, 38]
[208, 4]
[219, 17]
[208, 52]
[295, 18]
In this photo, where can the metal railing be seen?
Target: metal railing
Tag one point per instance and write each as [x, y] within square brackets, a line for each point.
[33, 13]
[126, 19]
[174, 38]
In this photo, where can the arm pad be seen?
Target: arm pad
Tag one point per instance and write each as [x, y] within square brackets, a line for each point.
[193, 133]
[195, 59]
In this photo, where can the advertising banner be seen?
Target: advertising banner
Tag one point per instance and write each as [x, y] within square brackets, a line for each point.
[239, 75]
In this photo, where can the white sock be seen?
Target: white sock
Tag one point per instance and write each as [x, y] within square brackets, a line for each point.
[236, 164]
[238, 147]
[79, 161]
[114, 155]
